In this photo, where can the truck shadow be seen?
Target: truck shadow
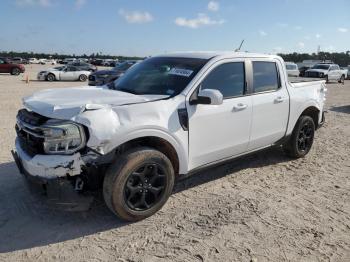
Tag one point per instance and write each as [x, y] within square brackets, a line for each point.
[341, 109]
[26, 222]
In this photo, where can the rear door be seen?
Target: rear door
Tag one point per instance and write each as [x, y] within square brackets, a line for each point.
[69, 74]
[270, 100]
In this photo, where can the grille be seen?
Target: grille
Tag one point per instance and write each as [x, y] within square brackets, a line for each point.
[29, 133]
[312, 74]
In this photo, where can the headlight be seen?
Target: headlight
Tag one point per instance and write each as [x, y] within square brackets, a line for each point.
[62, 137]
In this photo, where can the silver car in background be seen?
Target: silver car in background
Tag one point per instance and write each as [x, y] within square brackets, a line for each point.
[64, 73]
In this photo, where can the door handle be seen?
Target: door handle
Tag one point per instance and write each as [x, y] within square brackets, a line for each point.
[279, 99]
[240, 107]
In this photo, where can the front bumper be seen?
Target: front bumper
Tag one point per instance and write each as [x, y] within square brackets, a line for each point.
[41, 77]
[55, 177]
[96, 82]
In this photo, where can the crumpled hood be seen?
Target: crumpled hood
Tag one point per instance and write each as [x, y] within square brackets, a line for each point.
[66, 103]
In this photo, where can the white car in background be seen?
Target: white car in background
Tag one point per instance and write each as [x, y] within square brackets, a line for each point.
[345, 71]
[330, 72]
[292, 69]
[33, 61]
[69, 60]
[65, 73]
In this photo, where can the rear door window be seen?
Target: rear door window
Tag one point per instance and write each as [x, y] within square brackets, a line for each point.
[265, 77]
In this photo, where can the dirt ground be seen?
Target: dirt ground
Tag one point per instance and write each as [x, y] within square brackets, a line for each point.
[265, 207]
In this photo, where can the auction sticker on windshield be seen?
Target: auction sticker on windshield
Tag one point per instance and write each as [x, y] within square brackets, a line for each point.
[180, 72]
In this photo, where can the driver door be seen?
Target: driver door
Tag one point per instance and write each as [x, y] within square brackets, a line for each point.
[217, 132]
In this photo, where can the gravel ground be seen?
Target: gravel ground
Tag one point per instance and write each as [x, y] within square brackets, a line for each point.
[265, 207]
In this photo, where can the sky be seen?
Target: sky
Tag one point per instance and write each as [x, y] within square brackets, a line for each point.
[149, 27]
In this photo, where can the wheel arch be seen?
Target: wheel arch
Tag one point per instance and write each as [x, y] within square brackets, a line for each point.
[313, 112]
[311, 108]
[154, 142]
[55, 76]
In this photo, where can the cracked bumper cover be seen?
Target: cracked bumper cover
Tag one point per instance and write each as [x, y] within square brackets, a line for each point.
[49, 175]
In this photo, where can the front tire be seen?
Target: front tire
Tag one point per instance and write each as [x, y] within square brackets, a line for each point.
[138, 184]
[342, 80]
[50, 77]
[82, 78]
[302, 138]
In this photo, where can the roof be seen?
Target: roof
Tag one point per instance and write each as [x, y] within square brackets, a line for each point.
[211, 54]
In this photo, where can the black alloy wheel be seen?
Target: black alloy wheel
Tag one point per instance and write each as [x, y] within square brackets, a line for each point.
[145, 187]
[305, 137]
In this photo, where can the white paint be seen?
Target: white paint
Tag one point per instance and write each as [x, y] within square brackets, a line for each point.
[50, 166]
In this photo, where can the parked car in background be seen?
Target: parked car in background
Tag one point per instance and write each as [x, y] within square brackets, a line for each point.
[83, 66]
[33, 61]
[83, 60]
[345, 71]
[348, 72]
[166, 118]
[42, 61]
[97, 62]
[303, 69]
[6, 66]
[103, 77]
[108, 62]
[19, 60]
[66, 73]
[292, 69]
[330, 72]
[68, 60]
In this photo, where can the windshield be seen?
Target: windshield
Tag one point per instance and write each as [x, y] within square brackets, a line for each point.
[159, 76]
[123, 66]
[291, 67]
[324, 67]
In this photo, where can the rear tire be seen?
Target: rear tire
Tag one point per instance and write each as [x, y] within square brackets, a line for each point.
[138, 183]
[15, 71]
[302, 138]
[50, 77]
[82, 78]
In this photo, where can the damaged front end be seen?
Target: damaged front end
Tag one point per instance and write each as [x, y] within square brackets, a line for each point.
[53, 157]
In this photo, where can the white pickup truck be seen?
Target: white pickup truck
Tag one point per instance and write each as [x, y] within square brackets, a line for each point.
[329, 72]
[167, 117]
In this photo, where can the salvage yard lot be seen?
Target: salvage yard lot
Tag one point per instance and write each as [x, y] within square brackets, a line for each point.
[264, 207]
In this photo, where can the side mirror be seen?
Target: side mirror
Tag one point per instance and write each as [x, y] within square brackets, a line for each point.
[208, 97]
